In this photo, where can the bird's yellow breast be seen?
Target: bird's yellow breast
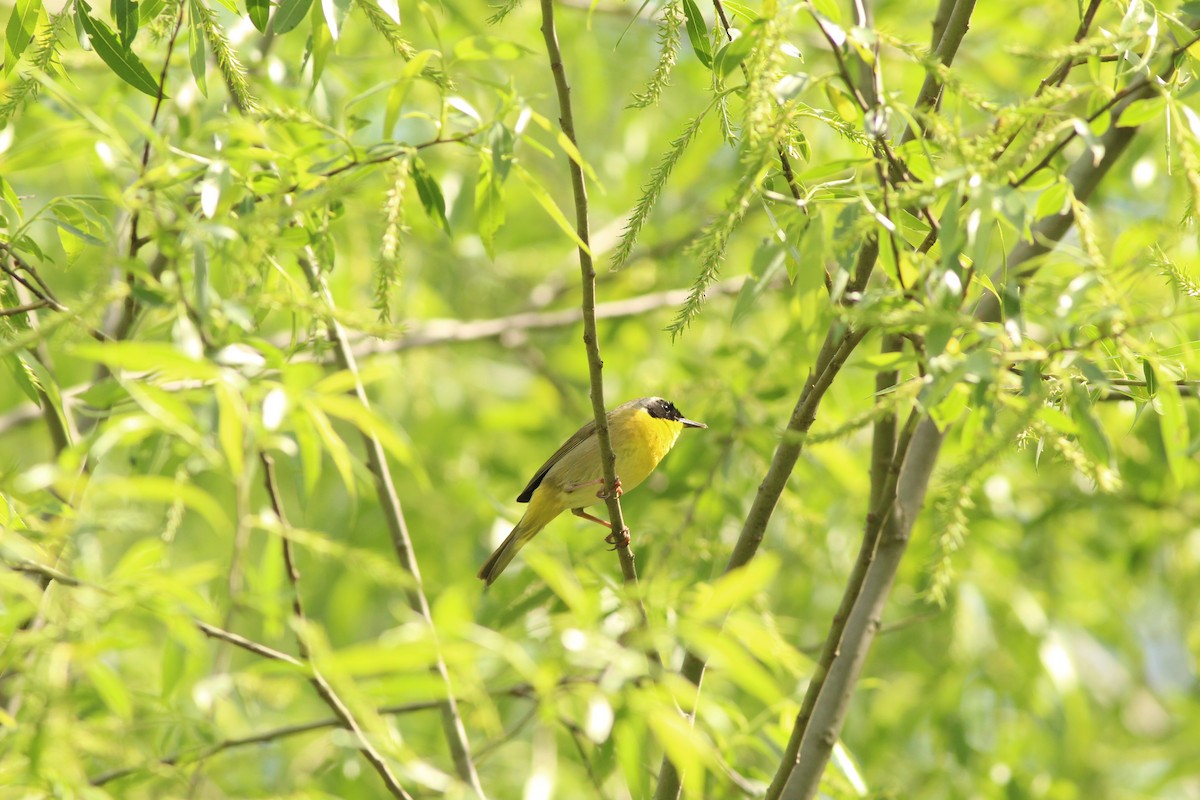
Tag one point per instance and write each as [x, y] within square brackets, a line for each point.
[639, 442]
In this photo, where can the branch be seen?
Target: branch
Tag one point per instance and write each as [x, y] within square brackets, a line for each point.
[17, 310]
[833, 699]
[833, 696]
[250, 646]
[833, 355]
[947, 47]
[438, 332]
[274, 734]
[389, 501]
[587, 275]
[323, 687]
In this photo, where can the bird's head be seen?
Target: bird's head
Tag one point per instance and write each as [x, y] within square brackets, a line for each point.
[665, 409]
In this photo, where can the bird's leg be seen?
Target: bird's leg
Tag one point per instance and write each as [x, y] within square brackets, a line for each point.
[579, 512]
[618, 540]
[617, 490]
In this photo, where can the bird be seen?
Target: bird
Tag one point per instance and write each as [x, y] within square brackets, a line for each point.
[642, 432]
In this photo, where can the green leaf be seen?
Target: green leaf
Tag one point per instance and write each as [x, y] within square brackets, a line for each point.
[19, 32]
[547, 203]
[1173, 422]
[124, 64]
[399, 90]
[430, 194]
[290, 13]
[488, 48]
[110, 687]
[160, 489]
[1141, 111]
[147, 357]
[734, 588]
[148, 10]
[731, 55]
[337, 449]
[697, 30]
[1052, 201]
[231, 428]
[1090, 434]
[769, 260]
[197, 51]
[259, 12]
[335, 12]
[321, 39]
[125, 15]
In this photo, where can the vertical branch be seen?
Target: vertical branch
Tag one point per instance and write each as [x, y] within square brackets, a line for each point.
[832, 702]
[883, 450]
[331, 698]
[916, 461]
[389, 501]
[833, 355]
[947, 47]
[587, 275]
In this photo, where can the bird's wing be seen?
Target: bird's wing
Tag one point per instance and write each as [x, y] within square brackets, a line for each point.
[580, 436]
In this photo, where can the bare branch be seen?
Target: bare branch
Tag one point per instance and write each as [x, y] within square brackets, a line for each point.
[587, 275]
[389, 501]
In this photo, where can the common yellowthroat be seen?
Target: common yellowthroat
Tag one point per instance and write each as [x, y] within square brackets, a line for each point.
[642, 432]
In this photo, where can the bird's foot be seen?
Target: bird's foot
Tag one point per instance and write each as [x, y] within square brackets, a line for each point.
[617, 491]
[618, 539]
[570, 487]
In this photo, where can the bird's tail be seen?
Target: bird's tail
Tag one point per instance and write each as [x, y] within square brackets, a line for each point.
[536, 517]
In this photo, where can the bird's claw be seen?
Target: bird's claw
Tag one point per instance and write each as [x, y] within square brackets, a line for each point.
[618, 539]
[617, 491]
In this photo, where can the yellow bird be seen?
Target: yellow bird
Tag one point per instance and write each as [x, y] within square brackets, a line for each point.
[642, 432]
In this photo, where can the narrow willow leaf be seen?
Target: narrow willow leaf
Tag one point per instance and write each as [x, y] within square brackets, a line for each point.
[321, 40]
[697, 30]
[124, 64]
[338, 452]
[430, 194]
[231, 429]
[734, 588]
[125, 15]
[259, 12]
[19, 32]
[197, 52]
[290, 13]
[547, 203]
[160, 489]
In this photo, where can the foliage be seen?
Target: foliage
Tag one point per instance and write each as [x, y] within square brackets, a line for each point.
[339, 235]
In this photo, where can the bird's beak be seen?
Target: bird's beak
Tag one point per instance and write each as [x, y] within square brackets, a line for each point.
[691, 423]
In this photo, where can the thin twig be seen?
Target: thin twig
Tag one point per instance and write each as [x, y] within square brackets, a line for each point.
[250, 646]
[319, 682]
[16, 310]
[785, 163]
[587, 273]
[272, 735]
[1142, 87]
[440, 332]
[393, 512]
